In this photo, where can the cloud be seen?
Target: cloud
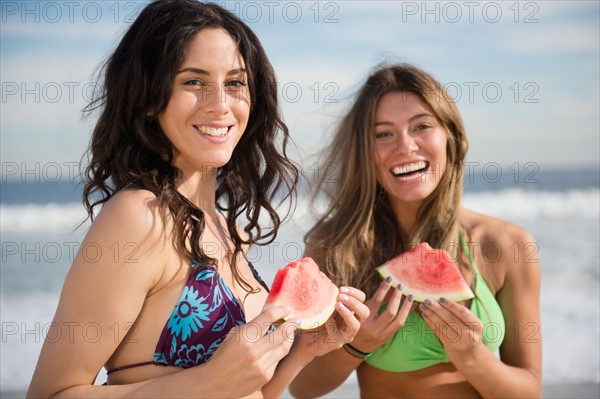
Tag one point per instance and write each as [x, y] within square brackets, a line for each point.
[554, 39]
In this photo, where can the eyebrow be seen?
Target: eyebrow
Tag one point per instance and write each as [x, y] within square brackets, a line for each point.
[386, 123]
[203, 72]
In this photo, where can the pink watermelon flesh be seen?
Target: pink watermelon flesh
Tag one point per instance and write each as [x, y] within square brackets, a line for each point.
[307, 292]
[427, 273]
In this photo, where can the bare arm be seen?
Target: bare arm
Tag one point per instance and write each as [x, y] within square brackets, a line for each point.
[102, 291]
[519, 372]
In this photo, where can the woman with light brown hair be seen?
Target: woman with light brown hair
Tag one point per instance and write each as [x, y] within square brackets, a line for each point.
[399, 155]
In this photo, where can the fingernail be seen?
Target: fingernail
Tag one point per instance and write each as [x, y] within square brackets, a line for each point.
[400, 287]
[443, 300]
[388, 279]
[410, 298]
[344, 297]
[428, 302]
[423, 307]
[344, 290]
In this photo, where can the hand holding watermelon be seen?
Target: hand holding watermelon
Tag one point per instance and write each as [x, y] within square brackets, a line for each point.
[458, 329]
[313, 299]
[380, 326]
[252, 354]
[339, 329]
[419, 274]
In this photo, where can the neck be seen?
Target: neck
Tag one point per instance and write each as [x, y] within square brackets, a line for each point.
[406, 215]
[200, 187]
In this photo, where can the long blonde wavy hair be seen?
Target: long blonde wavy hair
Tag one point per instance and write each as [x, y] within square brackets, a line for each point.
[359, 229]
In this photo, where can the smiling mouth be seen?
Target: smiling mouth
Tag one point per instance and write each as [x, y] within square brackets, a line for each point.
[213, 131]
[410, 169]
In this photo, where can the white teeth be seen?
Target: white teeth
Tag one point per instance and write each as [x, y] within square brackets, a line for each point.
[408, 168]
[213, 131]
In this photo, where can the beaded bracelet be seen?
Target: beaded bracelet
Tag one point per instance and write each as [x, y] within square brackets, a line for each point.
[356, 353]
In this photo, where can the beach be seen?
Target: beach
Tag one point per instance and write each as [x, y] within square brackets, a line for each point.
[350, 391]
[575, 391]
[39, 239]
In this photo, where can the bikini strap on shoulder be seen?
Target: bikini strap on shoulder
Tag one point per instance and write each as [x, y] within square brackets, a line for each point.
[465, 247]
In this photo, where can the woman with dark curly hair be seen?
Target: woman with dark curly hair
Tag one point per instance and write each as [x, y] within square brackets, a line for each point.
[188, 144]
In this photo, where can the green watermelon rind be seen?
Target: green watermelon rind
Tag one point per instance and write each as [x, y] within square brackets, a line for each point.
[421, 296]
[320, 319]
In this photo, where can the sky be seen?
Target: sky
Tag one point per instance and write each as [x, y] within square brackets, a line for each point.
[525, 74]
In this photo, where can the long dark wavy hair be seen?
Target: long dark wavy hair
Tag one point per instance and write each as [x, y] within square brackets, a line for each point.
[359, 229]
[128, 148]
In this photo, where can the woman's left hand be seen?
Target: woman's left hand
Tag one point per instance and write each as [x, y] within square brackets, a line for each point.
[459, 330]
[341, 327]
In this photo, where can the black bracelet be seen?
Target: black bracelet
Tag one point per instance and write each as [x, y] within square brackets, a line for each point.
[355, 352]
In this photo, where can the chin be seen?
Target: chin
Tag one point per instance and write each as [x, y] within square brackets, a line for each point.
[217, 161]
[412, 197]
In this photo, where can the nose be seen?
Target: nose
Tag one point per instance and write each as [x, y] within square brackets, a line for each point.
[406, 144]
[215, 100]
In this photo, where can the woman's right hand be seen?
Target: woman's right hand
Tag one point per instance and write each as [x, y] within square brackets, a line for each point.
[249, 355]
[380, 326]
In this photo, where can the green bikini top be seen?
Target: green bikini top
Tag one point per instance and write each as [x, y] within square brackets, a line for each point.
[415, 346]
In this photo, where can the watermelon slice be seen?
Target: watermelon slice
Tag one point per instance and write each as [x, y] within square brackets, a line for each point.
[305, 291]
[427, 273]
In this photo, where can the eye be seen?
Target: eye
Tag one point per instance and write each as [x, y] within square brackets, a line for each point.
[423, 126]
[193, 82]
[236, 83]
[382, 134]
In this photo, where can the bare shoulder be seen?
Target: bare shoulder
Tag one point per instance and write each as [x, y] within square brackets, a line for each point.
[505, 252]
[490, 230]
[137, 214]
[128, 232]
[139, 207]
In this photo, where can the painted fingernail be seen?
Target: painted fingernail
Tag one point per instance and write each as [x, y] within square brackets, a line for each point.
[400, 287]
[423, 307]
[388, 279]
[410, 298]
[428, 302]
[443, 300]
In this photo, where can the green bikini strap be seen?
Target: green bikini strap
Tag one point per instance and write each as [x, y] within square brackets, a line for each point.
[465, 247]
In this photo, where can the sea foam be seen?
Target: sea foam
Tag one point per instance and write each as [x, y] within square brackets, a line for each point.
[511, 204]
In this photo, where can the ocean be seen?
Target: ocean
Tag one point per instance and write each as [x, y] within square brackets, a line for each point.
[560, 207]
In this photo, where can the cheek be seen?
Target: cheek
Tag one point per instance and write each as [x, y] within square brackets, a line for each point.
[242, 111]
[173, 110]
[378, 162]
[438, 147]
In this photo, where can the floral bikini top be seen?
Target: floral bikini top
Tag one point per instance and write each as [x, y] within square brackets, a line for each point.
[200, 321]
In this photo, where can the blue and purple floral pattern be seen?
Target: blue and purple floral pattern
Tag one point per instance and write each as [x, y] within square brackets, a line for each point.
[203, 316]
